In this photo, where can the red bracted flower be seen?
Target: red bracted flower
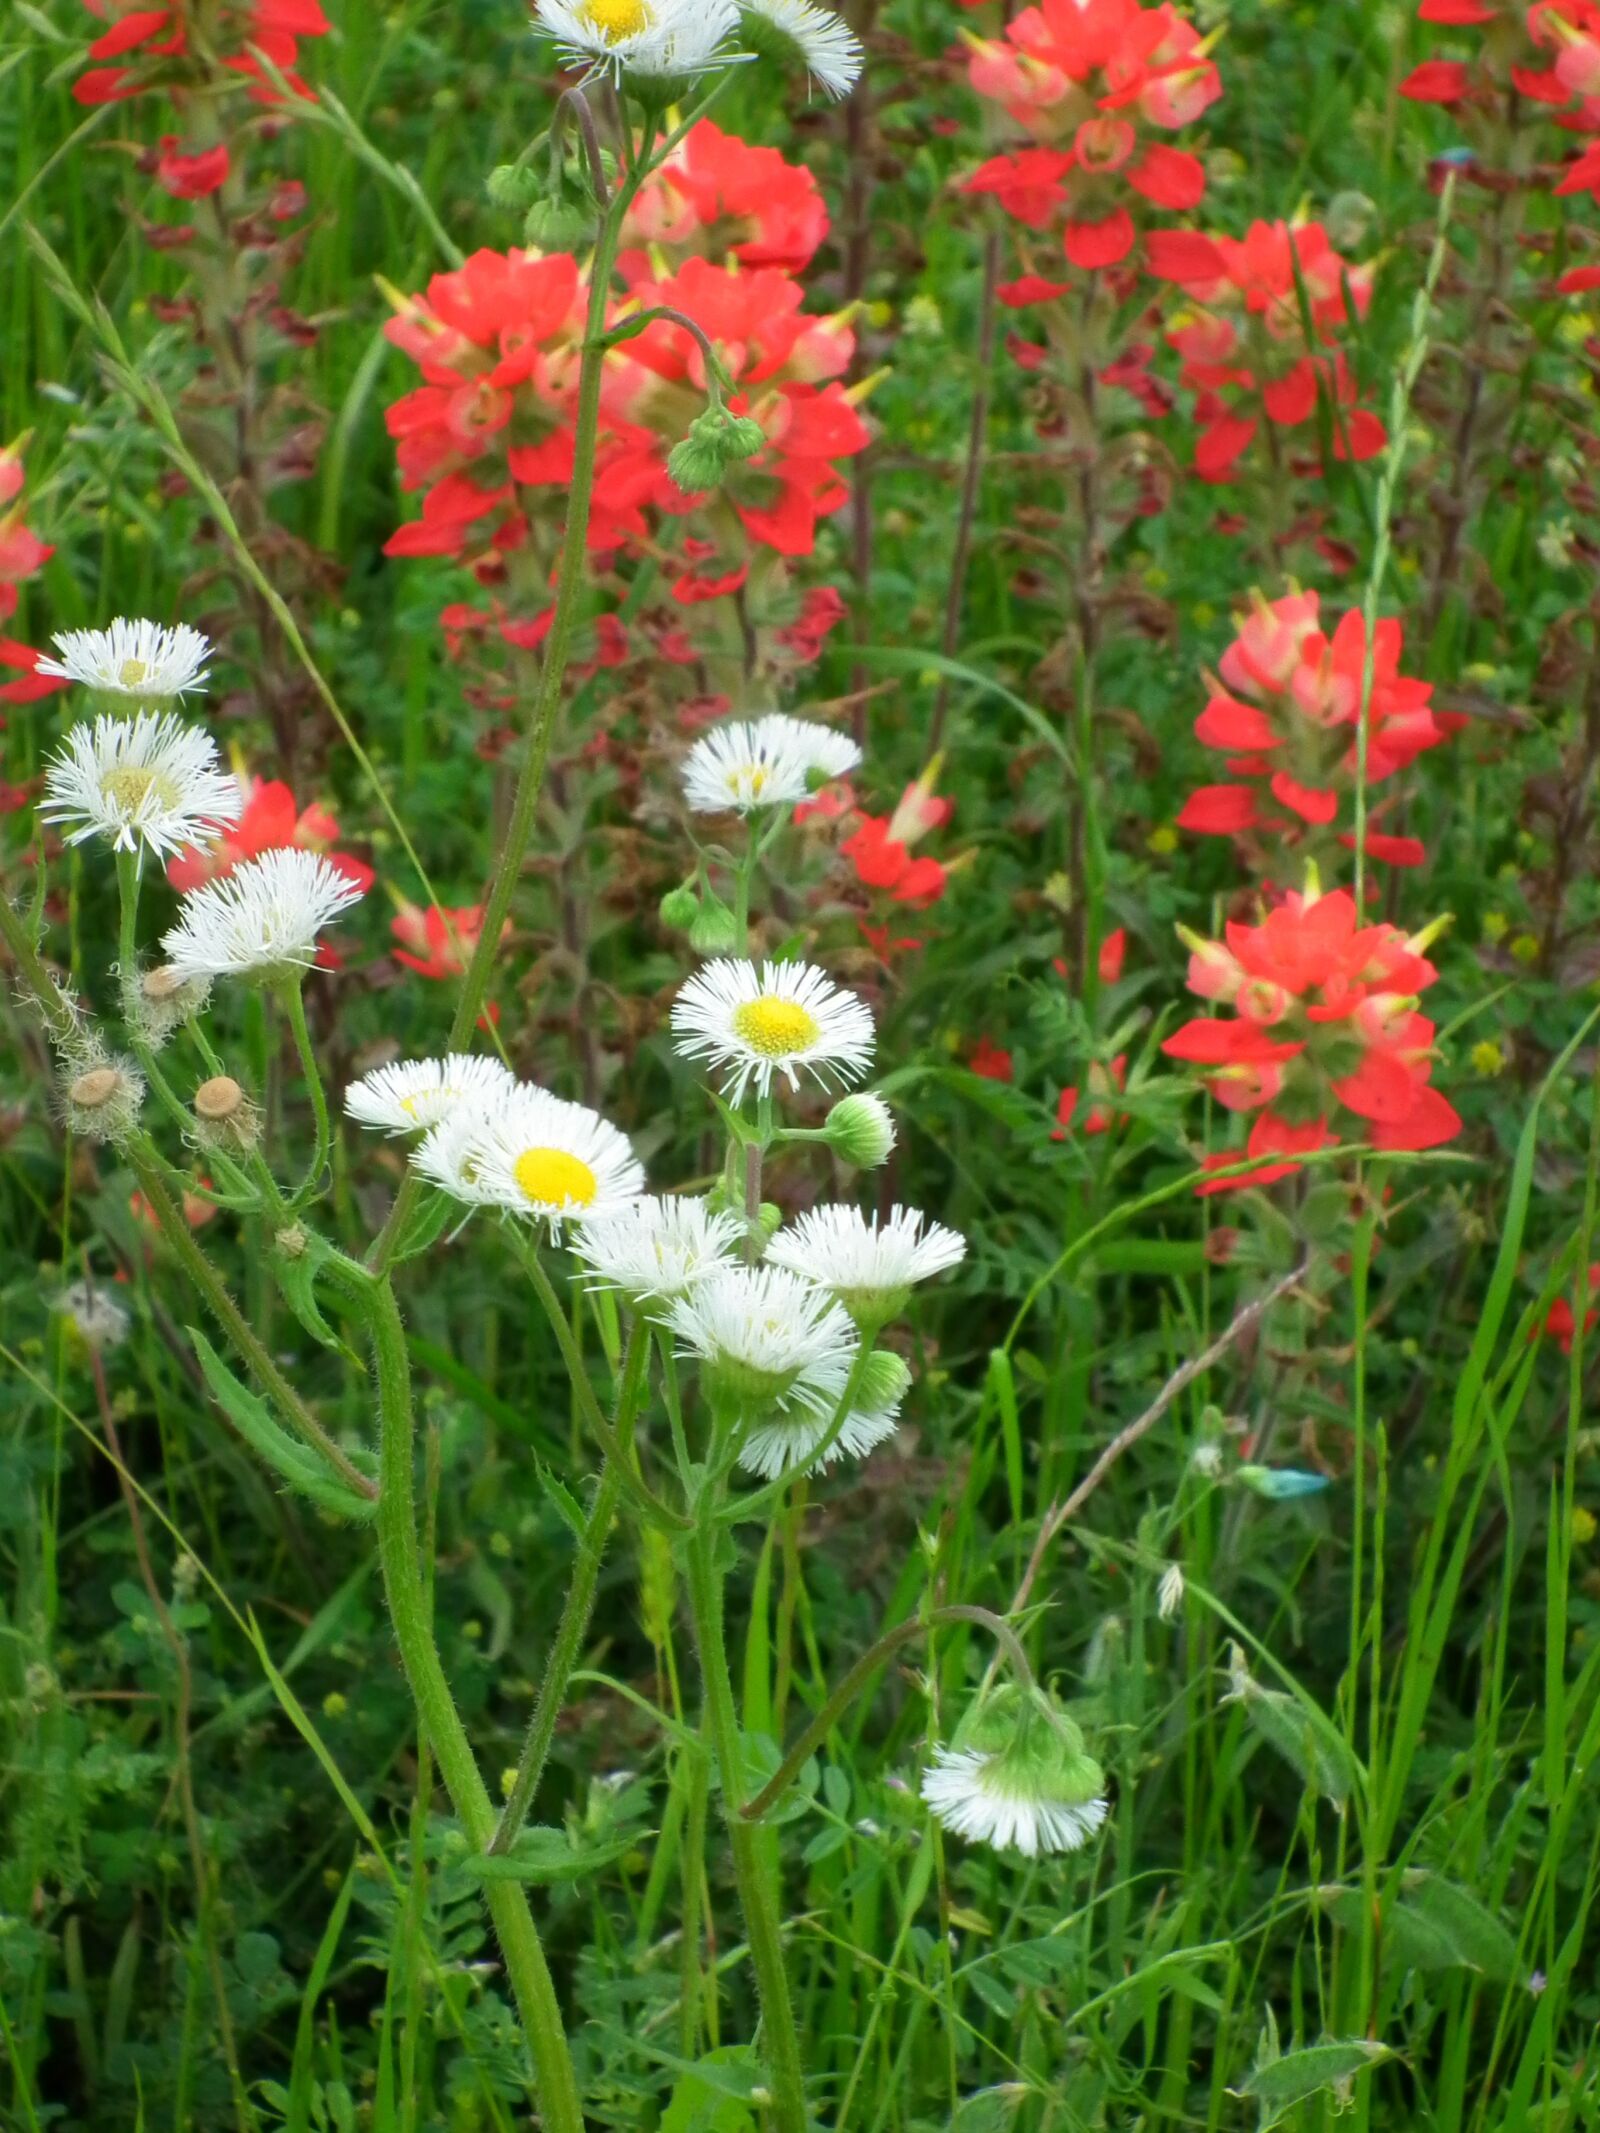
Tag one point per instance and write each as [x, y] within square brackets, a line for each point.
[140, 41]
[1324, 1021]
[1561, 1322]
[879, 848]
[1248, 354]
[191, 173]
[21, 554]
[990, 1061]
[438, 942]
[1099, 1115]
[1089, 80]
[727, 198]
[272, 820]
[1284, 708]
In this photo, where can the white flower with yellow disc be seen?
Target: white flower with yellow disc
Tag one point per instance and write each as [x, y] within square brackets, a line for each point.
[412, 1095]
[132, 658]
[532, 1154]
[745, 764]
[656, 39]
[151, 780]
[757, 1021]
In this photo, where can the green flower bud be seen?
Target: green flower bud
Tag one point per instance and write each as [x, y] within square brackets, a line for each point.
[713, 930]
[860, 1129]
[716, 441]
[557, 225]
[885, 1381]
[680, 907]
[769, 1220]
[512, 186]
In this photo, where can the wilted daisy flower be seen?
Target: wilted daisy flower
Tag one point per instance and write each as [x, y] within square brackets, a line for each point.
[798, 33]
[789, 1442]
[264, 916]
[100, 1095]
[411, 1095]
[657, 1248]
[744, 764]
[132, 659]
[531, 1153]
[767, 1341]
[96, 1317]
[755, 1023]
[654, 39]
[157, 1001]
[151, 779]
[1017, 1776]
[868, 1268]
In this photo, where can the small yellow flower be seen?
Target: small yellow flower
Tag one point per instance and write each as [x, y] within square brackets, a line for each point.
[1487, 1058]
[334, 1705]
[508, 1779]
[1584, 1524]
[1162, 840]
[1496, 926]
[1526, 948]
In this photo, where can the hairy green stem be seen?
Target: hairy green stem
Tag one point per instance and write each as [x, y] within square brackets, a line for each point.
[575, 1611]
[440, 1721]
[294, 1007]
[817, 1731]
[757, 1900]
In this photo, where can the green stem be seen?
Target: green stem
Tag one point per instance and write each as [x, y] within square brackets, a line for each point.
[295, 1008]
[128, 907]
[440, 1721]
[780, 2038]
[575, 1611]
[644, 1499]
[817, 1731]
[552, 674]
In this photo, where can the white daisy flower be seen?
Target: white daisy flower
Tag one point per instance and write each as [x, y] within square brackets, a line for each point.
[768, 1340]
[797, 31]
[868, 1268]
[151, 779]
[787, 1443]
[132, 659]
[1017, 1777]
[658, 39]
[775, 761]
[658, 1248]
[263, 916]
[411, 1095]
[755, 1023]
[531, 1153]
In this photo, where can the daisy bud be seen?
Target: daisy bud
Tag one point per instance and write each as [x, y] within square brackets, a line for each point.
[158, 1001]
[860, 1128]
[225, 1117]
[716, 441]
[101, 1102]
[513, 187]
[713, 931]
[885, 1381]
[680, 907]
[557, 225]
[1017, 1776]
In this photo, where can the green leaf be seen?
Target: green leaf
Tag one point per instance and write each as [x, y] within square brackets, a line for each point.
[250, 1417]
[715, 2094]
[426, 1220]
[1477, 1938]
[1308, 2071]
[542, 1856]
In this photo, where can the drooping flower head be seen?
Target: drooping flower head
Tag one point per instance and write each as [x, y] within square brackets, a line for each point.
[789, 1441]
[757, 1022]
[150, 781]
[799, 33]
[137, 659]
[1017, 1776]
[413, 1095]
[1324, 1019]
[263, 919]
[533, 1154]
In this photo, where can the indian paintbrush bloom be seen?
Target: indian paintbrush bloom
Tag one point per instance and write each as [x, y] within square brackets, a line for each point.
[1324, 1022]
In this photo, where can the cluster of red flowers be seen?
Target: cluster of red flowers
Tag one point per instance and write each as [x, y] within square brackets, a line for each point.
[1095, 83]
[498, 340]
[1285, 707]
[21, 554]
[1259, 345]
[880, 851]
[149, 49]
[1324, 1022]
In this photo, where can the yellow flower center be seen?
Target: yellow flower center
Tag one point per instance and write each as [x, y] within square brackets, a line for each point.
[128, 787]
[616, 19]
[775, 1027]
[549, 1177]
[132, 672]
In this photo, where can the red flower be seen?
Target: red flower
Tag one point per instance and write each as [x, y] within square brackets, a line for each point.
[728, 197]
[191, 173]
[438, 942]
[1324, 1018]
[990, 1061]
[272, 820]
[1560, 1321]
[1098, 1116]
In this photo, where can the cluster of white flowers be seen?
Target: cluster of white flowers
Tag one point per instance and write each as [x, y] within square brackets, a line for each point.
[665, 43]
[151, 782]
